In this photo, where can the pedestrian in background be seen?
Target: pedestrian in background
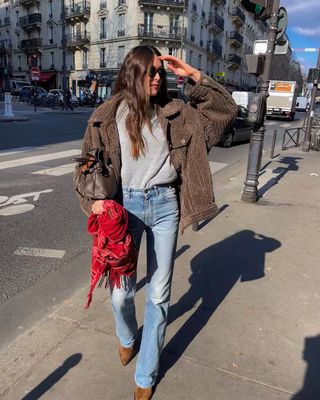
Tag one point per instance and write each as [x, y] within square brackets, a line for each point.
[68, 99]
[158, 148]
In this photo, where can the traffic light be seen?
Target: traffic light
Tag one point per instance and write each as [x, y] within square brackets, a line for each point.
[257, 109]
[260, 8]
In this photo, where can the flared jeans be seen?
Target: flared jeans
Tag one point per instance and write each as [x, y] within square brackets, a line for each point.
[156, 212]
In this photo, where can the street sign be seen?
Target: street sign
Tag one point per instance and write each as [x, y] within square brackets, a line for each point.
[35, 73]
[180, 80]
[260, 47]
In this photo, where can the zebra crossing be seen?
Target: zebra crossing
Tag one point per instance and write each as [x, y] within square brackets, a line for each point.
[62, 168]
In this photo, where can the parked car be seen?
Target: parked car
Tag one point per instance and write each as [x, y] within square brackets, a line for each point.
[59, 93]
[17, 85]
[26, 91]
[239, 131]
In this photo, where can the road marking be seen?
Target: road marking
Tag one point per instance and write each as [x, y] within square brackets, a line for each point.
[17, 150]
[57, 171]
[15, 210]
[20, 198]
[34, 252]
[215, 166]
[270, 123]
[285, 125]
[37, 159]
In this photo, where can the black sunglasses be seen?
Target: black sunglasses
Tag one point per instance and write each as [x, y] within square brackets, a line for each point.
[153, 71]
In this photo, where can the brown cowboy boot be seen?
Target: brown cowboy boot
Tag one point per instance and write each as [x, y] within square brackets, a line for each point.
[143, 394]
[126, 354]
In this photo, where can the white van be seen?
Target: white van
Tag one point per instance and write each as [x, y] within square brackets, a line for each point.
[16, 85]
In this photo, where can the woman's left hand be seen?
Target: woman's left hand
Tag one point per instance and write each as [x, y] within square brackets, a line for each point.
[180, 68]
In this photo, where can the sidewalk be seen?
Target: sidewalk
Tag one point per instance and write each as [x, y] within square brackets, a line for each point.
[23, 112]
[244, 319]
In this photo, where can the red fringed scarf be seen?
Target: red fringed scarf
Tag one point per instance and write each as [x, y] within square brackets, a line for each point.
[113, 250]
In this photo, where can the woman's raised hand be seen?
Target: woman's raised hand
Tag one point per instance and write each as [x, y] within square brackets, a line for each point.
[180, 68]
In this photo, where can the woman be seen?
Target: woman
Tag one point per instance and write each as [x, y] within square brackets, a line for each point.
[158, 147]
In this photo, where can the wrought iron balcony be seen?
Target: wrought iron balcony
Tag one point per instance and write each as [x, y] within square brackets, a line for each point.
[28, 3]
[214, 48]
[220, 2]
[79, 12]
[30, 44]
[234, 60]
[78, 40]
[177, 4]
[238, 16]
[163, 32]
[30, 21]
[236, 39]
[215, 22]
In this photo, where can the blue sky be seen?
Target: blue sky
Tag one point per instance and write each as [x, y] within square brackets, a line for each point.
[303, 29]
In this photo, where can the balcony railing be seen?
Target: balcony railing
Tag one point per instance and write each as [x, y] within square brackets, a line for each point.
[79, 11]
[121, 33]
[214, 47]
[163, 32]
[78, 39]
[238, 16]
[27, 3]
[215, 22]
[167, 3]
[30, 44]
[236, 38]
[30, 21]
[220, 2]
[234, 59]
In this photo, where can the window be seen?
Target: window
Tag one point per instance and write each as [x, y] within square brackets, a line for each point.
[191, 57]
[50, 34]
[120, 55]
[173, 27]
[50, 10]
[19, 63]
[121, 24]
[199, 62]
[102, 55]
[173, 51]
[103, 21]
[148, 22]
[84, 59]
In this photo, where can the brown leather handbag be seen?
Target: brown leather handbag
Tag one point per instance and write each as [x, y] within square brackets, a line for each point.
[98, 177]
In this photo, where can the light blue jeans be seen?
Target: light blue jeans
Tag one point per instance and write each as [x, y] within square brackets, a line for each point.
[155, 211]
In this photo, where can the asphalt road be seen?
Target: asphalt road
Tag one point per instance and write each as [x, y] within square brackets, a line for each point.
[44, 244]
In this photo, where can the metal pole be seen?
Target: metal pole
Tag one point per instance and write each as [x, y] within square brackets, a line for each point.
[250, 192]
[307, 136]
[63, 43]
[182, 33]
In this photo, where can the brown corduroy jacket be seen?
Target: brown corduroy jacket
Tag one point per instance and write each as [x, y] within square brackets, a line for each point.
[192, 129]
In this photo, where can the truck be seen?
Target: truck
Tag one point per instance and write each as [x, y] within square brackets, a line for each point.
[302, 103]
[282, 99]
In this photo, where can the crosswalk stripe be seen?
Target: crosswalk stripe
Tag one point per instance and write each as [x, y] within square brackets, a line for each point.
[285, 125]
[57, 171]
[215, 166]
[36, 159]
[18, 150]
[34, 252]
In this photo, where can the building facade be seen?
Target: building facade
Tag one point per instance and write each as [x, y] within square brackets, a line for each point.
[211, 35]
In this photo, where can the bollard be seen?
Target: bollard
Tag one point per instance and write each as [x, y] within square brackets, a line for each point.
[273, 143]
[8, 105]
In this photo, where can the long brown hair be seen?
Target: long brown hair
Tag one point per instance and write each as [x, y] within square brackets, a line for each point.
[131, 85]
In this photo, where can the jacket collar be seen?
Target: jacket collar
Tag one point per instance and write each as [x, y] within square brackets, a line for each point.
[108, 109]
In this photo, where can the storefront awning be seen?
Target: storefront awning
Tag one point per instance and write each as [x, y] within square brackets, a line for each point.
[46, 76]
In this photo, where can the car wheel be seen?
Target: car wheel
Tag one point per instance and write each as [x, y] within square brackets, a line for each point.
[228, 140]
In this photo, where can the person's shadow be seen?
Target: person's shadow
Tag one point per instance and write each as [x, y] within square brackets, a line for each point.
[215, 271]
[311, 385]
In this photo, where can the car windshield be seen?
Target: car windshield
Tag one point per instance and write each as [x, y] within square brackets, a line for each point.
[21, 84]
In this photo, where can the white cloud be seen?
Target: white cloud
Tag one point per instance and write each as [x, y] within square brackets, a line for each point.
[296, 6]
[307, 31]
